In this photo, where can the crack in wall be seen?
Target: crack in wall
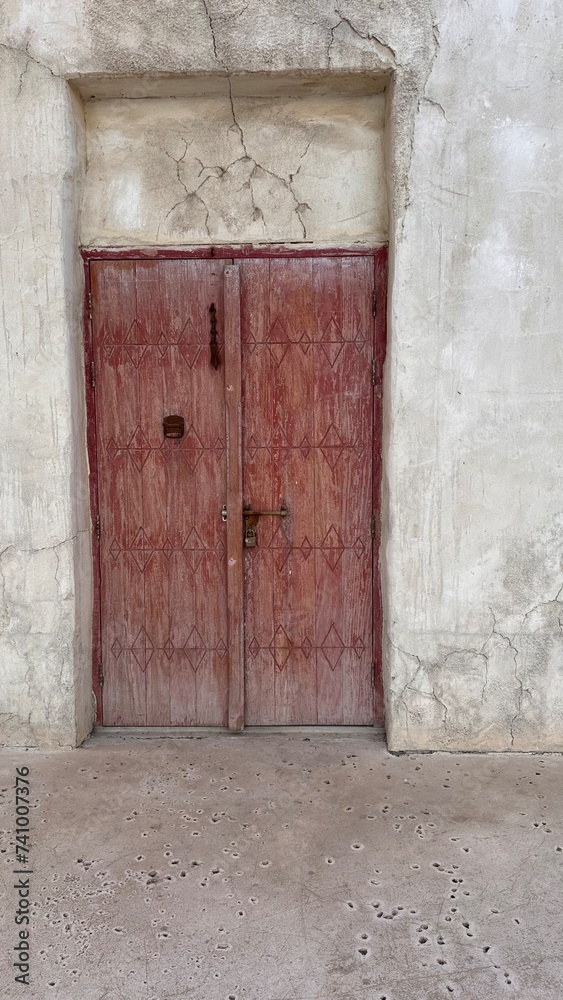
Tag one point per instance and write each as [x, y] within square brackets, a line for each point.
[257, 167]
[211, 28]
[384, 49]
[435, 104]
[415, 690]
[299, 207]
[30, 59]
[188, 194]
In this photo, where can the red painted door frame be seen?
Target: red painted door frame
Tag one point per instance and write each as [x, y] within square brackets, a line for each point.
[380, 255]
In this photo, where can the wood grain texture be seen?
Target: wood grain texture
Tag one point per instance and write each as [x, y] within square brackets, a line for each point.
[185, 639]
[233, 416]
[307, 442]
[163, 551]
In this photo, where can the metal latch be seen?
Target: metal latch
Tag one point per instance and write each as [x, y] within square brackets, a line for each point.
[251, 520]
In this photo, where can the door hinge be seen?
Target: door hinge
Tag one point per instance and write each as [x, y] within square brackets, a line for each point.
[373, 371]
[373, 675]
[101, 674]
[93, 375]
[98, 528]
[90, 306]
[374, 302]
[373, 525]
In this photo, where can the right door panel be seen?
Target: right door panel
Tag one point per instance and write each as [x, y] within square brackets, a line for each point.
[307, 351]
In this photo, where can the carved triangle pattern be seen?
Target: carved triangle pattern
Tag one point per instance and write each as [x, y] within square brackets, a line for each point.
[279, 333]
[188, 335]
[134, 336]
[138, 447]
[331, 649]
[278, 352]
[331, 445]
[331, 548]
[143, 649]
[194, 549]
[190, 353]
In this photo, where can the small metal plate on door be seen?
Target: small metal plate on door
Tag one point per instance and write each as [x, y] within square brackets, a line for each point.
[173, 426]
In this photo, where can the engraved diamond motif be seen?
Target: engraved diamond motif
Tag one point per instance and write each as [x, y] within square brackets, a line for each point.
[168, 649]
[305, 447]
[114, 549]
[332, 342]
[254, 647]
[111, 448]
[332, 647]
[141, 549]
[142, 649]
[332, 547]
[194, 649]
[305, 343]
[280, 647]
[193, 448]
[116, 648]
[194, 549]
[331, 446]
[359, 548]
[359, 646]
[138, 448]
[280, 557]
[306, 548]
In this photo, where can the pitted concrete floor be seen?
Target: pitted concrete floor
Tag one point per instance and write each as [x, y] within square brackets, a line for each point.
[286, 867]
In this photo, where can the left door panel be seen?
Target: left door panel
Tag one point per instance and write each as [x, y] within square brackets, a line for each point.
[162, 543]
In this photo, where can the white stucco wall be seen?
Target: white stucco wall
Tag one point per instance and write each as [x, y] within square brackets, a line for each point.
[472, 560]
[45, 618]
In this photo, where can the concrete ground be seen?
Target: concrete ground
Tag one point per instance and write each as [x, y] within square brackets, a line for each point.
[300, 866]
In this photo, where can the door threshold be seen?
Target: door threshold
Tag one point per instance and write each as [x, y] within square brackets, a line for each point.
[200, 732]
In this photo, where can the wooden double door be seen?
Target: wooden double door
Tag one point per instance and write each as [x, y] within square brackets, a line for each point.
[211, 613]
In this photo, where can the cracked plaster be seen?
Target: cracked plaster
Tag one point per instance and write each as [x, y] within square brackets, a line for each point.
[472, 553]
[225, 169]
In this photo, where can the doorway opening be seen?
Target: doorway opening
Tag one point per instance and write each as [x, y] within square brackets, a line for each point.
[235, 417]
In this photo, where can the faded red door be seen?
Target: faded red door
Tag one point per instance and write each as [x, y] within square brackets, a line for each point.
[162, 544]
[307, 349]
[281, 632]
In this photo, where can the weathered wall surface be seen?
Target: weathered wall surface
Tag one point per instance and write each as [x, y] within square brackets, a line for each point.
[475, 550]
[235, 169]
[45, 621]
[472, 559]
